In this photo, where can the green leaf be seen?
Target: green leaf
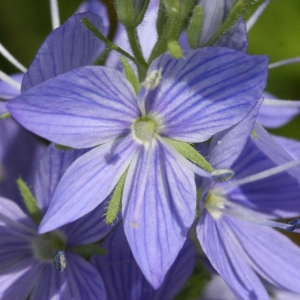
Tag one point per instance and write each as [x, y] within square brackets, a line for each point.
[29, 201]
[194, 29]
[130, 75]
[115, 202]
[191, 154]
[88, 250]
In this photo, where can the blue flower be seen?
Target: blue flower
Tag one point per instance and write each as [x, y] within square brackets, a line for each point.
[26, 264]
[123, 278]
[230, 227]
[189, 100]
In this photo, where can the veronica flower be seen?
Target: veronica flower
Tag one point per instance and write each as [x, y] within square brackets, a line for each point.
[235, 225]
[26, 265]
[187, 100]
[123, 278]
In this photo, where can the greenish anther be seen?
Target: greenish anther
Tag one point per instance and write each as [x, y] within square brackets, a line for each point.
[29, 201]
[191, 154]
[175, 49]
[115, 202]
[130, 75]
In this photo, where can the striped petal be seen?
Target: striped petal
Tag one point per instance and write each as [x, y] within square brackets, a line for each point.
[228, 260]
[80, 280]
[123, 278]
[88, 182]
[210, 90]
[68, 47]
[166, 212]
[227, 145]
[267, 247]
[52, 166]
[15, 163]
[83, 108]
[17, 281]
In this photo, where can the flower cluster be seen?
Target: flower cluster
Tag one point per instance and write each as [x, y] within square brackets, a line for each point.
[161, 141]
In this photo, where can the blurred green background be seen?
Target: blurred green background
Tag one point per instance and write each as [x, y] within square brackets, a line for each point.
[24, 24]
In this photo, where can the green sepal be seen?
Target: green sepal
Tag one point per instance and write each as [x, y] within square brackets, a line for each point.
[141, 14]
[130, 75]
[62, 147]
[235, 13]
[195, 27]
[29, 201]
[162, 18]
[175, 49]
[190, 153]
[5, 116]
[115, 202]
[88, 250]
[125, 12]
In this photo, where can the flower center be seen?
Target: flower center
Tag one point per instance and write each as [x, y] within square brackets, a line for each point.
[46, 246]
[143, 128]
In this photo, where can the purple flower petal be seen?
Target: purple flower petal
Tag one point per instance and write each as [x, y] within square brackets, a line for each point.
[214, 14]
[264, 246]
[68, 47]
[123, 278]
[227, 259]
[83, 108]
[235, 38]
[52, 165]
[165, 216]
[208, 91]
[275, 116]
[88, 182]
[7, 91]
[227, 145]
[3, 109]
[292, 147]
[17, 281]
[15, 163]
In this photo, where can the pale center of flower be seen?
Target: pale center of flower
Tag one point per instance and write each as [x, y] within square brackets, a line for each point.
[214, 203]
[46, 246]
[143, 128]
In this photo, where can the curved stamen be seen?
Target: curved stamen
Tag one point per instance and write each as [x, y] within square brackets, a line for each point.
[252, 20]
[263, 174]
[54, 14]
[284, 62]
[10, 81]
[295, 224]
[11, 59]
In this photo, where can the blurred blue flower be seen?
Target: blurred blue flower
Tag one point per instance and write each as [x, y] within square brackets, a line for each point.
[189, 100]
[26, 264]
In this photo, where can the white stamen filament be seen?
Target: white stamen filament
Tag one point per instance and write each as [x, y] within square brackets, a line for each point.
[10, 81]
[141, 194]
[264, 174]
[282, 103]
[182, 160]
[284, 62]
[16, 225]
[252, 20]
[220, 206]
[54, 14]
[11, 59]
[141, 99]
